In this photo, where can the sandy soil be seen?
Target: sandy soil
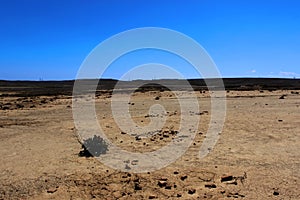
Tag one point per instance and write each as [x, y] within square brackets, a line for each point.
[256, 157]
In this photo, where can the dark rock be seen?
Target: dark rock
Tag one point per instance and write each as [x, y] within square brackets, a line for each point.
[192, 191]
[137, 138]
[163, 179]
[137, 186]
[162, 183]
[226, 178]
[52, 190]
[282, 97]
[20, 106]
[183, 178]
[5, 108]
[168, 187]
[211, 186]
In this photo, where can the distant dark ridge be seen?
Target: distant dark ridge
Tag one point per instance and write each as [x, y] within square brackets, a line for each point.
[50, 88]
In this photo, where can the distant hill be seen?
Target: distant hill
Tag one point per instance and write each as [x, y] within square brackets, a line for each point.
[39, 88]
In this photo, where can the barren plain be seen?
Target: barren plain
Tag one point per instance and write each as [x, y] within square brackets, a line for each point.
[256, 157]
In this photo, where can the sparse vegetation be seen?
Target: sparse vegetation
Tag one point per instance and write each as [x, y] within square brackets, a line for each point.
[93, 147]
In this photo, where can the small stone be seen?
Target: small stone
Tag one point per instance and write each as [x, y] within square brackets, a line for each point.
[162, 183]
[137, 138]
[137, 186]
[134, 162]
[183, 178]
[226, 178]
[152, 197]
[163, 179]
[275, 193]
[52, 190]
[127, 167]
[192, 191]
[168, 187]
[282, 97]
[20, 105]
[211, 186]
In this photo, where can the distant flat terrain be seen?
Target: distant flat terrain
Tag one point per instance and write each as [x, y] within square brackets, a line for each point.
[50, 88]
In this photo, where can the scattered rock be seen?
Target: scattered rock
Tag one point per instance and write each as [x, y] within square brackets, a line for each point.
[276, 193]
[137, 186]
[282, 96]
[183, 178]
[226, 178]
[134, 162]
[211, 186]
[137, 138]
[280, 120]
[52, 190]
[152, 197]
[163, 179]
[157, 98]
[5, 108]
[235, 195]
[192, 191]
[162, 183]
[19, 105]
[168, 187]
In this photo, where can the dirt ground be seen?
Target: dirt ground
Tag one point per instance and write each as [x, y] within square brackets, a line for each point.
[256, 157]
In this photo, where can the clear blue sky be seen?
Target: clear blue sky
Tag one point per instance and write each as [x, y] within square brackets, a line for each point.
[49, 39]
